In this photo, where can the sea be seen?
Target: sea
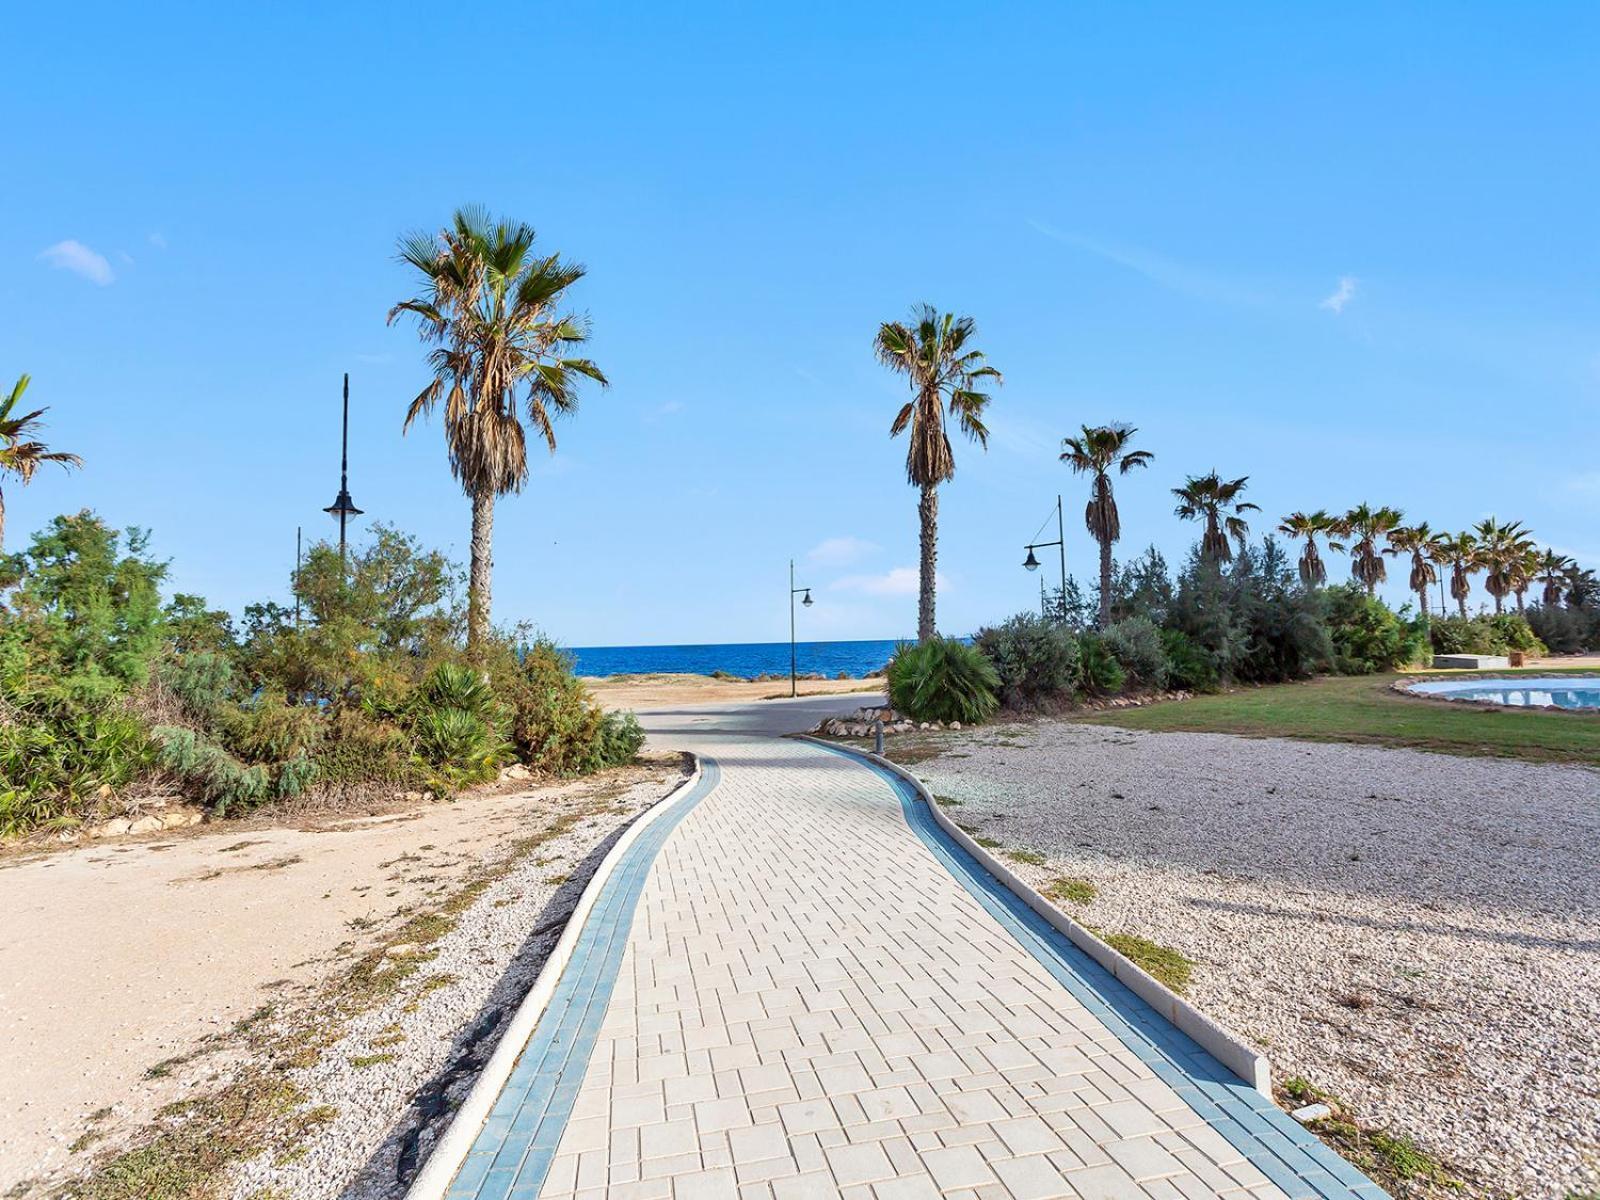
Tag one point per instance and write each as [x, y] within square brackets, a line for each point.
[745, 659]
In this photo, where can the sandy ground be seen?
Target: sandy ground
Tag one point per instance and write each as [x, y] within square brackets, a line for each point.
[119, 956]
[645, 692]
[1416, 933]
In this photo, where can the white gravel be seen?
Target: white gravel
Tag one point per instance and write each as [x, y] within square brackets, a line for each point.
[489, 960]
[1417, 933]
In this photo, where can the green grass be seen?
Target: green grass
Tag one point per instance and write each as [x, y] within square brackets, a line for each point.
[1163, 962]
[1366, 709]
[1032, 857]
[1075, 891]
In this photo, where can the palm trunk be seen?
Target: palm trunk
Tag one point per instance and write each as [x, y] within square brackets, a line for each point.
[1422, 601]
[479, 581]
[1499, 604]
[928, 510]
[1105, 584]
[1462, 601]
[1522, 604]
[2, 519]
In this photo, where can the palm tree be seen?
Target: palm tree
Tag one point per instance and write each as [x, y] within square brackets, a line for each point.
[1552, 573]
[1313, 571]
[1419, 542]
[1500, 547]
[1524, 571]
[1367, 525]
[1095, 452]
[488, 305]
[934, 354]
[1583, 588]
[1215, 501]
[18, 455]
[1464, 556]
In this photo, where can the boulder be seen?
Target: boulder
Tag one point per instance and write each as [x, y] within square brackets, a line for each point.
[145, 825]
[113, 828]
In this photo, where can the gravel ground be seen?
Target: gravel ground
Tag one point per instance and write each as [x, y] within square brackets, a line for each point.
[399, 1069]
[1418, 934]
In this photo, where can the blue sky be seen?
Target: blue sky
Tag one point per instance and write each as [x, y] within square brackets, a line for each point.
[1350, 253]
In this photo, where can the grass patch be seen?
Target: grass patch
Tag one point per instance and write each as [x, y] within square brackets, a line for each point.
[1071, 889]
[947, 802]
[988, 843]
[1163, 962]
[1032, 857]
[1394, 1160]
[1367, 709]
[370, 1060]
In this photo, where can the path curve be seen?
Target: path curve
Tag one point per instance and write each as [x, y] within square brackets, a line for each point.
[797, 988]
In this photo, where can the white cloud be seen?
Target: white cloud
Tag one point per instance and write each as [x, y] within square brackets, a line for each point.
[1341, 296]
[900, 581]
[156, 240]
[79, 260]
[840, 551]
[74, 256]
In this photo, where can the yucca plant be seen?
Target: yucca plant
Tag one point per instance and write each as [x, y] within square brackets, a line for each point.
[943, 679]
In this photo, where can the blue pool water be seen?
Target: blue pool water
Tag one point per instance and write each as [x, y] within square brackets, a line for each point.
[745, 659]
[1554, 691]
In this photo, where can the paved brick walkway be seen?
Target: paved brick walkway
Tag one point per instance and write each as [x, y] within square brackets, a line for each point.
[810, 1003]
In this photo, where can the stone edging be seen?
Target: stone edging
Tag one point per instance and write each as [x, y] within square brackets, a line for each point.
[448, 1153]
[1227, 1047]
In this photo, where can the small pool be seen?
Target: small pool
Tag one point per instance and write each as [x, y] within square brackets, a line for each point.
[1550, 691]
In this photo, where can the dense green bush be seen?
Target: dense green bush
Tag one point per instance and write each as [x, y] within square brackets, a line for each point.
[1252, 619]
[55, 762]
[1099, 672]
[1188, 666]
[1513, 629]
[620, 740]
[943, 679]
[269, 729]
[1367, 635]
[1135, 643]
[1565, 630]
[1487, 633]
[1036, 660]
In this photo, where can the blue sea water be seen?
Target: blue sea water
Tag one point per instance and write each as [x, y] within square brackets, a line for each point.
[745, 659]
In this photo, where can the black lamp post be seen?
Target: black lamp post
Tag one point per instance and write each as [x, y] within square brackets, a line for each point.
[343, 507]
[794, 685]
[1032, 563]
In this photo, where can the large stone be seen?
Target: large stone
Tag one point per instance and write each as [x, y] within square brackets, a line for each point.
[115, 827]
[145, 825]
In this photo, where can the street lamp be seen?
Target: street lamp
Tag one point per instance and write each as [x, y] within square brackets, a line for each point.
[343, 507]
[1031, 563]
[794, 686]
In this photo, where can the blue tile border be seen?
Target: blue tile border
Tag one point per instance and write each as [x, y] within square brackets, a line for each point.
[512, 1153]
[1275, 1144]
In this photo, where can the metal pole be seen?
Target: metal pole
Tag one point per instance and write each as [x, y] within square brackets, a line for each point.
[344, 467]
[794, 686]
[297, 577]
[1061, 542]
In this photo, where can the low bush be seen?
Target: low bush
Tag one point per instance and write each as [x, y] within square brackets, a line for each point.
[1513, 629]
[620, 740]
[1035, 660]
[269, 729]
[1367, 635]
[1135, 642]
[1099, 673]
[943, 679]
[1487, 633]
[1565, 630]
[1188, 666]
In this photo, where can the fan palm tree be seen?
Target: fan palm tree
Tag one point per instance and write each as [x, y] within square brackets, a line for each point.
[1367, 525]
[1500, 547]
[1464, 557]
[1313, 571]
[935, 352]
[1525, 571]
[1583, 588]
[1215, 501]
[1419, 542]
[488, 304]
[1552, 573]
[19, 455]
[1094, 452]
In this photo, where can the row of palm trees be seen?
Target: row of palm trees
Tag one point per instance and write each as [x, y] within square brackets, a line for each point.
[20, 454]
[936, 354]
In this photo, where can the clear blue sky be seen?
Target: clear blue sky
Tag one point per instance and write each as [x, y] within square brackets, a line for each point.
[1351, 253]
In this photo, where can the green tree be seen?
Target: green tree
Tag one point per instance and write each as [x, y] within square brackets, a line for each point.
[1368, 526]
[1418, 541]
[1552, 573]
[489, 306]
[1460, 551]
[19, 454]
[1309, 526]
[936, 355]
[1215, 502]
[1501, 547]
[1094, 452]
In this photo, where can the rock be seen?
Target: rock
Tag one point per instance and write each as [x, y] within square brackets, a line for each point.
[955, 724]
[516, 771]
[924, 725]
[113, 828]
[414, 796]
[401, 950]
[1311, 1112]
[181, 818]
[145, 825]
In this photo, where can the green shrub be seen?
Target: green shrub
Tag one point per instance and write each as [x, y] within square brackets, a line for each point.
[554, 725]
[1565, 630]
[620, 739]
[1036, 660]
[1513, 629]
[1189, 668]
[459, 745]
[269, 730]
[1252, 619]
[1135, 643]
[1099, 673]
[210, 772]
[1486, 633]
[1367, 635]
[943, 679]
[200, 681]
[54, 765]
[357, 748]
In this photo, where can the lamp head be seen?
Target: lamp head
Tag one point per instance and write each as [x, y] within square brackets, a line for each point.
[1031, 563]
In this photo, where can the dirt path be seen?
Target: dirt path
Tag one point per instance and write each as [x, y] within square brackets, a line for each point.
[118, 958]
[645, 692]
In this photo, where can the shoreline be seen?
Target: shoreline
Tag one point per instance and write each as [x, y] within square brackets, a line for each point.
[643, 692]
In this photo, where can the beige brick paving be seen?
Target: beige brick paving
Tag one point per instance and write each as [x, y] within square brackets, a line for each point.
[810, 1006]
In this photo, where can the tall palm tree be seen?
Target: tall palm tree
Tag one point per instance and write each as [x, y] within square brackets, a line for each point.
[936, 355]
[488, 304]
[1215, 501]
[1463, 555]
[1552, 573]
[1419, 542]
[1525, 571]
[1367, 525]
[20, 456]
[1094, 452]
[1313, 571]
[1500, 546]
[1583, 588]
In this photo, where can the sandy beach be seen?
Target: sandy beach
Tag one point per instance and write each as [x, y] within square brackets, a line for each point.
[665, 691]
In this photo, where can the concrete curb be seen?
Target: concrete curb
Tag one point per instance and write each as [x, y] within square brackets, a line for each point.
[1227, 1047]
[448, 1153]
